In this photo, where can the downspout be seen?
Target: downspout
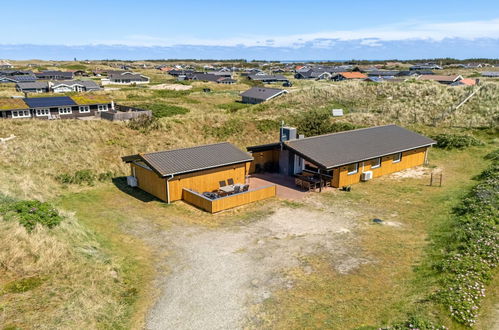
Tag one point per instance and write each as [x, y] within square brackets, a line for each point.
[168, 189]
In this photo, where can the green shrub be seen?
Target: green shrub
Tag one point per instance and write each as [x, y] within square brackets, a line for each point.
[268, 125]
[143, 123]
[415, 323]
[232, 107]
[455, 141]
[83, 177]
[31, 213]
[230, 127]
[23, 285]
[160, 110]
[167, 93]
[317, 122]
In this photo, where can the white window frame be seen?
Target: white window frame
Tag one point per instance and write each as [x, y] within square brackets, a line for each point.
[397, 157]
[102, 107]
[25, 113]
[84, 109]
[65, 110]
[354, 171]
[379, 163]
[43, 112]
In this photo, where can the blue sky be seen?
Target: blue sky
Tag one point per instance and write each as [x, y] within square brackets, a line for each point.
[247, 29]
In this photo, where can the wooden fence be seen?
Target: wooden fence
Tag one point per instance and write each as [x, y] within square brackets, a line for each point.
[125, 113]
[227, 202]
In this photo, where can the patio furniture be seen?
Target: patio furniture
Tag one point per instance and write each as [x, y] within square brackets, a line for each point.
[237, 188]
[227, 189]
[230, 181]
[222, 183]
[246, 187]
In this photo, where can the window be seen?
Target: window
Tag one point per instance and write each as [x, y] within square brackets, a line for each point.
[21, 114]
[42, 112]
[375, 163]
[397, 157]
[65, 111]
[353, 168]
[84, 109]
[102, 107]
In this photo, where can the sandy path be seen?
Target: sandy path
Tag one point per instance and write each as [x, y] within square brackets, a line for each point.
[216, 275]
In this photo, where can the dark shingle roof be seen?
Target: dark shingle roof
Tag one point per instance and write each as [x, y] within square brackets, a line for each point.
[192, 159]
[38, 102]
[262, 93]
[337, 149]
[32, 85]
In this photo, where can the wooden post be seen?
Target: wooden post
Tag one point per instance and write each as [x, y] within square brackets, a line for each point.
[441, 175]
[431, 179]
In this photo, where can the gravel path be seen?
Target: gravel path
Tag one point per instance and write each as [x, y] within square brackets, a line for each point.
[216, 275]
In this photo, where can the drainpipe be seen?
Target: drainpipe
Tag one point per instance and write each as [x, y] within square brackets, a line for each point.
[168, 189]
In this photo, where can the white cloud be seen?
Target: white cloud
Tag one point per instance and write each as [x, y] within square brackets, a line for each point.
[370, 37]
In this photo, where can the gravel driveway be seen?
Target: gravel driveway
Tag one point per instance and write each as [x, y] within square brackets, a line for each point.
[216, 275]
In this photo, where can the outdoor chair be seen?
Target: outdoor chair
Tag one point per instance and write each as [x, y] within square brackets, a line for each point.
[230, 182]
[222, 183]
[246, 187]
[237, 189]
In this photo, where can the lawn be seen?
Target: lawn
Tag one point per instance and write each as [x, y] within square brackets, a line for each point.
[397, 281]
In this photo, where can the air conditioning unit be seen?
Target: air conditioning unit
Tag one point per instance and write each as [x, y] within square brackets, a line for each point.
[131, 181]
[366, 176]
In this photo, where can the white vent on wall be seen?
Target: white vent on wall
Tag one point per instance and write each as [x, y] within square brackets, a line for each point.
[366, 176]
[131, 181]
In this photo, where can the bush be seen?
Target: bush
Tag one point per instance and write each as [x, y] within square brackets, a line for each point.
[31, 213]
[160, 110]
[23, 285]
[144, 123]
[268, 125]
[455, 141]
[230, 127]
[472, 249]
[318, 122]
[83, 177]
[414, 323]
[171, 93]
[232, 107]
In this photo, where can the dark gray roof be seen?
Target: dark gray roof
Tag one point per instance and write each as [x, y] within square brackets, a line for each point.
[89, 84]
[38, 102]
[265, 77]
[178, 161]
[127, 76]
[32, 85]
[337, 149]
[262, 93]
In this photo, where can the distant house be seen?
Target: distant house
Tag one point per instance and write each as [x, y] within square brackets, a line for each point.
[54, 75]
[33, 87]
[257, 95]
[125, 78]
[17, 79]
[201, 76]
[226, 81]
[4, 64]
[425, 66]
[446, 80]
[412, 73]
[59, 107]
[80, 73]
[265, 78]
[382, 73]
[465, 82]
[348, 76]
[318, 73]
[180, 72]
[74, 86]
[10, 73]
[491, 74]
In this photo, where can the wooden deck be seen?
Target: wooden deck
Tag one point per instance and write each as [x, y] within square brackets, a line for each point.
[227, 202]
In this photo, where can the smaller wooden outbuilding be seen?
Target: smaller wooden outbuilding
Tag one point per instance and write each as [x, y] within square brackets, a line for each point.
[195, 175]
